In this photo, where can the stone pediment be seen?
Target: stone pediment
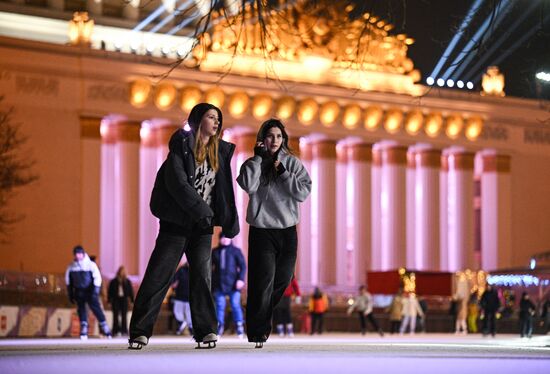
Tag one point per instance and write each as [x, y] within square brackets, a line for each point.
[321, 42]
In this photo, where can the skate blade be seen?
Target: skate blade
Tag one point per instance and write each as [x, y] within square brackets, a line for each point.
[135, 346]
[206, 345]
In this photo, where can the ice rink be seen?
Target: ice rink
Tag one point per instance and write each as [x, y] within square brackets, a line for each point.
[328, 353]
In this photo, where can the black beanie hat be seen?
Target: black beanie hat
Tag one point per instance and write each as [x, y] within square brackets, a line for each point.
[198, 111]
[78, 249]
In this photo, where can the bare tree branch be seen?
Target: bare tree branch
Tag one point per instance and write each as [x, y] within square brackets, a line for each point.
[15, 170]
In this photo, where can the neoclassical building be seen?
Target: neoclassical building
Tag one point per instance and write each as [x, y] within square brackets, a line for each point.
[404, 175]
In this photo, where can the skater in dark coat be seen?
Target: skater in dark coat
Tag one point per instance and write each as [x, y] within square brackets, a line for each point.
[119, 293]
[545, 316]
[228, 272]
[193, 192]
[276, 182]
[526, 312]
[181, 307]
[490, 304]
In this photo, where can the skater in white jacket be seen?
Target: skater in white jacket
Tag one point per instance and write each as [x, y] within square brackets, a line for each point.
[83, 281]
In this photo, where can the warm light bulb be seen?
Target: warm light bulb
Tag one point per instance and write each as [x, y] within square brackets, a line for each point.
[307, 111]
[352, 116]
[373, 115]
[329, 113]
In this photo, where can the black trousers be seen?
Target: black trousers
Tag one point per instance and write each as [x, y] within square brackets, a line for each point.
[363, 321]
[85, 296]
[316, 323]
[281, 313]
[120, 309]
[394, 326]
[526, 326]
[489, 323]
[271, 263]
[169, 249]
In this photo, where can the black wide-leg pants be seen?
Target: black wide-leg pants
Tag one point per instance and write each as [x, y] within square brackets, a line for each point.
[271, 263]
[169, 249]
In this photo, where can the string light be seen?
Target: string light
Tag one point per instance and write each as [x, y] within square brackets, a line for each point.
[543, 76]
[513, 280]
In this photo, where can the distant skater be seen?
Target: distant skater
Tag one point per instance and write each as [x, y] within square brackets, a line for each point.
[363, 305]
[83, 281]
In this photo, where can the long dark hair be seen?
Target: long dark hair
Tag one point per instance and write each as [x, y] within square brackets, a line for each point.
[121, 274]
[209, 150]
[269, 173]
[317, 294]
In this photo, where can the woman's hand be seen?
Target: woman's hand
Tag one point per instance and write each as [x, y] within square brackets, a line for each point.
[259, 149]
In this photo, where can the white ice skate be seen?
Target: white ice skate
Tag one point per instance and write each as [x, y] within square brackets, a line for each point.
[208, 342]
[83, 330]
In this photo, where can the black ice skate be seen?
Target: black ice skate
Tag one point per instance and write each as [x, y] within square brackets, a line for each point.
[208, 342]
[137, 343]
[259, 340]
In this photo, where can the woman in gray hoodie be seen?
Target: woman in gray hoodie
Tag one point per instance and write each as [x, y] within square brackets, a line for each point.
[276, 181]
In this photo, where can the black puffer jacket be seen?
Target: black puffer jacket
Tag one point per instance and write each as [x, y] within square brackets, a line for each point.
[175, 200]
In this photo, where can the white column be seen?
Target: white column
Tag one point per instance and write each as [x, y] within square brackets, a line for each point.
[426, 217]
[323, 208]
[410, 208]
[460, 210]
[154, 135]
[305, 264]
[91, 179]
[376, 212]
[245, 142]
[392, 207]
[119, 195]
[358, 202]
[496, 241]
[443, 213]
[343, 263]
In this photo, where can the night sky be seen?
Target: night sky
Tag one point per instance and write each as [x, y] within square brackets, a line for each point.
[433, 23]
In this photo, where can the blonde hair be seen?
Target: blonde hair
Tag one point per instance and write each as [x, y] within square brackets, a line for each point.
[209, 150]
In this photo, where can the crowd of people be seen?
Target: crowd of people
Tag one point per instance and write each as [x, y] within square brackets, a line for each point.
[406, 313]
[193, 192]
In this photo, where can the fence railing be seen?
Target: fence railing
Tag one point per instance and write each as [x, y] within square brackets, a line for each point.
[33, 282]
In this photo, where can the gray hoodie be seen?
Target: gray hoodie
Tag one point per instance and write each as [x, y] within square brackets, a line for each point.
[275, 205]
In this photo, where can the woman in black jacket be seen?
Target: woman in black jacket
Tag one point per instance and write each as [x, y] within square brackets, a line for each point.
[120, 290]
[526, 312]
[193, 192]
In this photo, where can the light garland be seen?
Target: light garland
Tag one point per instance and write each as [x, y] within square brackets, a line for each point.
[514, 280]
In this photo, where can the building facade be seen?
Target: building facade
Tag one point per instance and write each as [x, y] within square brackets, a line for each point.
[403, 175]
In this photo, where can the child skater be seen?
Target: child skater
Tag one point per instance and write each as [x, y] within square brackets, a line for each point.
[276, 181]
[193, 192]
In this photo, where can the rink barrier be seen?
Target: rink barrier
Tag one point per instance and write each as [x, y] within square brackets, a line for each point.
[33, 321]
